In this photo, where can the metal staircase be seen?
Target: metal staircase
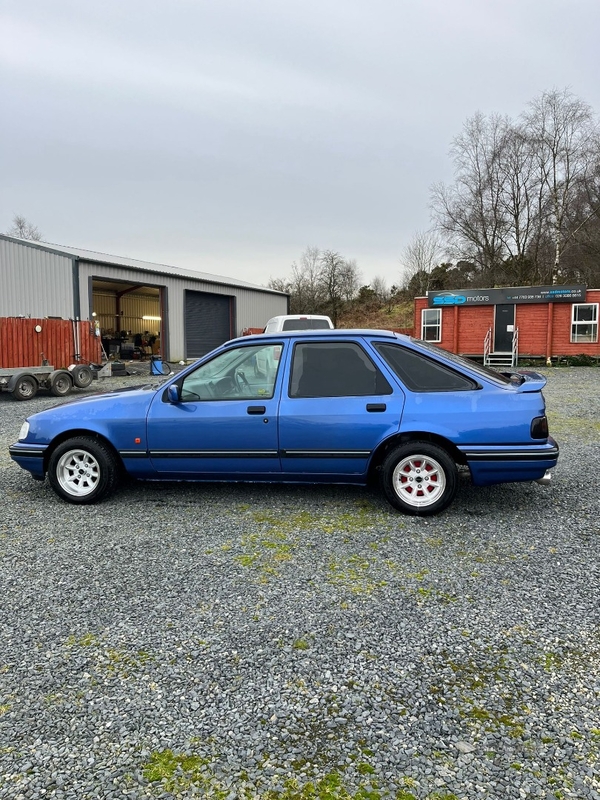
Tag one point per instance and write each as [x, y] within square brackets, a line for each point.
[499, 360]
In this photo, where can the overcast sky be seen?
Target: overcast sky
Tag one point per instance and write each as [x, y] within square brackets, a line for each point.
[228, 135]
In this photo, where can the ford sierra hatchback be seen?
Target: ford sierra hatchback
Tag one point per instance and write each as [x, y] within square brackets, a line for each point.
[340, 406]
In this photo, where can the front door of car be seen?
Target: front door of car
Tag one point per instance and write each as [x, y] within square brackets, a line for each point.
[224, 423]
[336, 409]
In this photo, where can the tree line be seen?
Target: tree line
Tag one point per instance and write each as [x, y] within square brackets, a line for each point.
[524, 206]
[321, 282]
[523, 209]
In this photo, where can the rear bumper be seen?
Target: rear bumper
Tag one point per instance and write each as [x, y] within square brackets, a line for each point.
[505, 464]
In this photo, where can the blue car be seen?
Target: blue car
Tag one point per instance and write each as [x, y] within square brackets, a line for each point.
[339, 406]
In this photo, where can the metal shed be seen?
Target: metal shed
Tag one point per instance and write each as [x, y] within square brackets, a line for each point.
[190, 311]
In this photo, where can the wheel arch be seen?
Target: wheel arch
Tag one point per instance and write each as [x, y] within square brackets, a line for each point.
[404, 437]
[14, 379]
[76, 433]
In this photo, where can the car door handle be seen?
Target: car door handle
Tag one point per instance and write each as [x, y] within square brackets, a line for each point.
[256, 409]
[376, 406]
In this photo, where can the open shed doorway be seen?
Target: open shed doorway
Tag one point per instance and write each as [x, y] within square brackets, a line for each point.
[132, 318]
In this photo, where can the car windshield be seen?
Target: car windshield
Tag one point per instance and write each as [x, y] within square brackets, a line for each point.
[225, 361]
[463, 362]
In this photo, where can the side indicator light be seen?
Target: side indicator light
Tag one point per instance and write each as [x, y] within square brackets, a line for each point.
[137, 440]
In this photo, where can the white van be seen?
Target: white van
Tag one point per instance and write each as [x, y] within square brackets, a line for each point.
[267, 359]
[298, 322]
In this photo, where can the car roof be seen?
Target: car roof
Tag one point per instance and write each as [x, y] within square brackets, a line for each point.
[298, 316]
[327, 333]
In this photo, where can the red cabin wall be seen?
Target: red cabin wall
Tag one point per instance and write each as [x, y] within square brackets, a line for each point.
[22, 346]
[532, 322]
[544, 328]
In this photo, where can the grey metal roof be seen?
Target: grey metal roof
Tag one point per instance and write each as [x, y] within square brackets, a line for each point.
[134, 263]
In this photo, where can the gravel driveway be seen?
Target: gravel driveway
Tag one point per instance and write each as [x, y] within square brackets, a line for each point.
[275, 642]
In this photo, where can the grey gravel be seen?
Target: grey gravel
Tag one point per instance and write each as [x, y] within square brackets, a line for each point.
[269, 634]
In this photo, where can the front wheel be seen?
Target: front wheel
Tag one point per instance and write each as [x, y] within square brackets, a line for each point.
[82, 471]
[419, 478]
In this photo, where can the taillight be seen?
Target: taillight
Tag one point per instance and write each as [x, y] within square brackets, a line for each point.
[539, 428]
[276, 353]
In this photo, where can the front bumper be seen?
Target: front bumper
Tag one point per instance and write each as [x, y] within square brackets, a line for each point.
[29, 457]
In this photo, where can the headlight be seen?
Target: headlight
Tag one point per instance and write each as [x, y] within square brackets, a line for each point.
[24, 431]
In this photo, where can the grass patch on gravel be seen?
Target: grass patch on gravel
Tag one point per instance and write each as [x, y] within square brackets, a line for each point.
[357, 574]
[109, 661]
[269, 549]
[179, 773]
[562, 425]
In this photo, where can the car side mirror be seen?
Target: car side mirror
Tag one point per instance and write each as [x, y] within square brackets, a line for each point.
[173, 393]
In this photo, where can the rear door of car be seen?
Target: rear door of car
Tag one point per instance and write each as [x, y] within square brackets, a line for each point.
[336, 407]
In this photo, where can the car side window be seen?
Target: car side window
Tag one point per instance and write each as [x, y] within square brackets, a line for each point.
[242, 373]
[421, 374]
[335, 369]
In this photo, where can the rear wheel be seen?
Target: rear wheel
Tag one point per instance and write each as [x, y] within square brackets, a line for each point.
[83, 470]
[25, 388]
[82, 376]
[419, 478]
[60, 383]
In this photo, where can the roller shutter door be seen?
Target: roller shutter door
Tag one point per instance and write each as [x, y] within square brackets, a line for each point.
[207, 322]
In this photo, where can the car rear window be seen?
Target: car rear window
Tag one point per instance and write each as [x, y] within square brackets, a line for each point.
[305, 325]
[485, 372]
[421, 374]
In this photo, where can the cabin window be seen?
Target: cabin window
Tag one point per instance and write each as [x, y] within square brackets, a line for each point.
[431, 324]
[584, 323]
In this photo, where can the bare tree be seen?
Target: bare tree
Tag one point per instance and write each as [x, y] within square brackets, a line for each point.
[23, 229]
[380, 289]
[339, 280]
[564, 134]
[350, 279]
[280, 285]
[418, 259]
[469, 212]
[307, 291]
[521, 206]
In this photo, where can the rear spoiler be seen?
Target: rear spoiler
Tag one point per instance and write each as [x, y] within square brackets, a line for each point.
[525, 380]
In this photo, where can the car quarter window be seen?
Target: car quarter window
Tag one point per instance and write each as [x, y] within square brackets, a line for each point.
[241, 373]
[335, 369]
[421, 374]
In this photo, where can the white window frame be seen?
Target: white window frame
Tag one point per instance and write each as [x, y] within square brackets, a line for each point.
[425, 325]
[584, 338]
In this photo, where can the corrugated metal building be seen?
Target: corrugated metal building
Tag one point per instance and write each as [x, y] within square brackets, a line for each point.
[192, 312]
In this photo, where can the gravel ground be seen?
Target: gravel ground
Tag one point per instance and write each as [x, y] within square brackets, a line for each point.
[220, 641]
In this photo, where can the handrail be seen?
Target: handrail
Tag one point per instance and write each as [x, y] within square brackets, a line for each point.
[487, 348]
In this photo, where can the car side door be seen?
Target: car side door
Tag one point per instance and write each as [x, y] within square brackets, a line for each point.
[336, 407]
[223, 422]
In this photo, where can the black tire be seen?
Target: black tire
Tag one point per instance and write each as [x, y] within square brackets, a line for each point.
[60, 382]
[83, 471]
[419, 478]
[25, 388]
[82, 376]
